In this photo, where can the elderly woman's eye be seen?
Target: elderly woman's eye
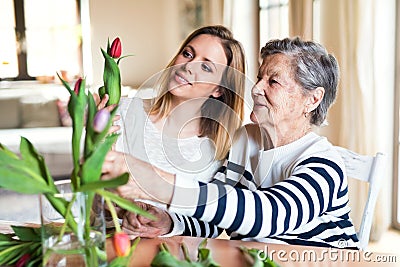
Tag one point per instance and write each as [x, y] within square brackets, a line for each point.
[272, 81]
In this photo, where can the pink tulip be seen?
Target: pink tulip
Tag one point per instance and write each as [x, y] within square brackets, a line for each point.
[100, 120]
[77, 85]
[122, 244]
[116, 48]
[23, 260]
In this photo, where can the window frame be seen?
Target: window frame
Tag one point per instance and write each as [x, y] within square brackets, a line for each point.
[396, 135]
[20, 32]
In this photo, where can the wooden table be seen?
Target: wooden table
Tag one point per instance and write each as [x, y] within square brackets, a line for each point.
[227, 253]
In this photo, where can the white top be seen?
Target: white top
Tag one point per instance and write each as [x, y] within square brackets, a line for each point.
[191, 157]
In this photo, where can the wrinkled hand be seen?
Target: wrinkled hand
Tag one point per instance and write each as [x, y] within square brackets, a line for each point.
[138, 225]
[101, 104]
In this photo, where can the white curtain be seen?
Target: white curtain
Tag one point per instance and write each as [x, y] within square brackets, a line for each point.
[360, 33]
[301, 18]
[242, 17]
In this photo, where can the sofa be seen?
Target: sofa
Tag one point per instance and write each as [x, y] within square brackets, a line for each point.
[37, 112]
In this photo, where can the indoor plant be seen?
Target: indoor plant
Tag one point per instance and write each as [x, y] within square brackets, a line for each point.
[27, 172]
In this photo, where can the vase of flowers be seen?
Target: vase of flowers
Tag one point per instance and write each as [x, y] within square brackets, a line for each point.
[70, 225]
[64, 246]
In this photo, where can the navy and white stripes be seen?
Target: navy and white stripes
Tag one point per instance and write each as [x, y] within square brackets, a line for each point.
[307, 206]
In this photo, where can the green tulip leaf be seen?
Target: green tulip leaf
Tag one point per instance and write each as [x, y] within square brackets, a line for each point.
[125, 204]
[8, 152]
[257, 258]
[76, 108]
[91, 112]
[26, 233]
[26, 175]
[113, 183]
[22, 180]
[66, 85]
[165, 259]
[5, 237]
[91, 168]
[34, 160]
[111, 79]
[24, 240]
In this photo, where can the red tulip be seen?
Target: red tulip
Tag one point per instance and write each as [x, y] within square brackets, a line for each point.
[77, 85]
[116, 48]
[23, 260]
[122, 244]
[100, 120]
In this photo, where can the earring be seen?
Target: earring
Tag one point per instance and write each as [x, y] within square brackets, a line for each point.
[306, 114]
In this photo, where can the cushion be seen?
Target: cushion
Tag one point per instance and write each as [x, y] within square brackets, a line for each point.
[9, 113]
[39, 111]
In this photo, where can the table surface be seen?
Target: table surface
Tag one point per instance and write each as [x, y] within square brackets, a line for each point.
[227, 252]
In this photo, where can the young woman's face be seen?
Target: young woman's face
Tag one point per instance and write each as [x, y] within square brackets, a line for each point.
[198, 69]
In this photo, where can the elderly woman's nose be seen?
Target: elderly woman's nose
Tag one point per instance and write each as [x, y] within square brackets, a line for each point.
[258, 90]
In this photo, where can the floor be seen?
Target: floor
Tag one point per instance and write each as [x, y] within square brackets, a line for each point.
[389, 243]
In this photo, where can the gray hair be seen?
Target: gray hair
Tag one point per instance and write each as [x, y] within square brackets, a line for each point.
[312, 67]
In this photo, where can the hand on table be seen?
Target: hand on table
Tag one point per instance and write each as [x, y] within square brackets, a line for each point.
[138, 225]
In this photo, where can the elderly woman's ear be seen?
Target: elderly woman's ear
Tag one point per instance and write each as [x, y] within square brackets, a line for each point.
[314, 99]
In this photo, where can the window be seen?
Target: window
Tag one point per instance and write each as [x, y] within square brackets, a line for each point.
[39, 41]
[274, 20]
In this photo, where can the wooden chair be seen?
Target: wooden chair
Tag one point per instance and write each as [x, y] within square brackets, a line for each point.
[367, 169]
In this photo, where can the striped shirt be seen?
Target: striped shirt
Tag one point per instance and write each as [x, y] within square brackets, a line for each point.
[293, 194]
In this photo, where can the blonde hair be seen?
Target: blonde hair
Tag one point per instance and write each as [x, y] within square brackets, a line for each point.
[216, 122]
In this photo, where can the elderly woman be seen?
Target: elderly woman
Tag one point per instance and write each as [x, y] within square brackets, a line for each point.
[282, 183]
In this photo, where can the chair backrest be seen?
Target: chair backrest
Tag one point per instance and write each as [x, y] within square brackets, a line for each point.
[367, 169]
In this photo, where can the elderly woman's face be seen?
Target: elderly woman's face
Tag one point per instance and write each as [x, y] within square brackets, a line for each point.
[278, 100]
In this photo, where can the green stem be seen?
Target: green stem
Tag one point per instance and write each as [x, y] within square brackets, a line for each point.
[113, 214]
[185, 252]
[60, 205]
[88, 206]
[67, 217]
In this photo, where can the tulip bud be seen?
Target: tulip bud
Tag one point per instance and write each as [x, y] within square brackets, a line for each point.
[23, 260]
[77, 85]
[116, 48]
[100, 120]
[122, 244]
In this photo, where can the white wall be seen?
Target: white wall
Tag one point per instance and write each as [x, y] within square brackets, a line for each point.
[149, 29]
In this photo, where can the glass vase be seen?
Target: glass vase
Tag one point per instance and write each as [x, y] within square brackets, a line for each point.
[73, 228]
